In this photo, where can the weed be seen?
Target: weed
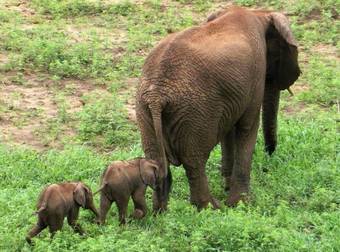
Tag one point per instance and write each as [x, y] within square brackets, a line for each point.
[105, 116]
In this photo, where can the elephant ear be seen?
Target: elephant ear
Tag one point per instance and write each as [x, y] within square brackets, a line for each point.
[149, 171]
[79, 195]
[286, 67]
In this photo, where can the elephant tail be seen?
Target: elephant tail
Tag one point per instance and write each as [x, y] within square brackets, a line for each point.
[101, 188]
[156, 113]
[42, 208]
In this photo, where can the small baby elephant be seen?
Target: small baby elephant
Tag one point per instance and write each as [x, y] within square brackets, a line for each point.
[59, 200]
[123, 179]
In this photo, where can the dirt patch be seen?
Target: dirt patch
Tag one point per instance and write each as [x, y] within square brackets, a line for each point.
[22, 7]
[40, 112]
[328, 51]
[26, 110]
[292, 110]
[3, 59]
[82, 32]
[128, 92]
[314, 14]
[301, 87]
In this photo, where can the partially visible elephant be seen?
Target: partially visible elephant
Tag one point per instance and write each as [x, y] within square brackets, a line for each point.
[205, 86]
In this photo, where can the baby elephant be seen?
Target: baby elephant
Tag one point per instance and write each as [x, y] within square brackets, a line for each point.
[59, 200]
[123, 179]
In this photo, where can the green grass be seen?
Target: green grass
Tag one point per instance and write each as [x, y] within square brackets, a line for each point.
[295, 195]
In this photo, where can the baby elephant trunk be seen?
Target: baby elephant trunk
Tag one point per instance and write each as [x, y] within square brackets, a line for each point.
[161, 195]
[93, 209]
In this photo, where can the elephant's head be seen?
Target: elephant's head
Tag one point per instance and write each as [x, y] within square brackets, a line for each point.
[282, 71]
[149, 171]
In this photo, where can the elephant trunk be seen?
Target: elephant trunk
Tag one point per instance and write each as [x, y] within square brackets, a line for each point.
[270, 109]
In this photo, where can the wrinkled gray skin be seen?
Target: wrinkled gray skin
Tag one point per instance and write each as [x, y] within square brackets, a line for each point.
[58, 201]
[205, 86]
[124, 179]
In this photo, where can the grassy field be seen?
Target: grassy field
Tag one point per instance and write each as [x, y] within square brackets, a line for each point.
[68, 75]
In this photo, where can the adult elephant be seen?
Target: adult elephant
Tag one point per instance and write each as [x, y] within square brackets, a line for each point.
[205, 86]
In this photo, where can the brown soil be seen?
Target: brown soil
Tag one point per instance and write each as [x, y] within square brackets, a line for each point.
[27, 110]
[21, 6]
[129, 91]
[315, 14]
[300, 87]
[292, 110]
[328, 51]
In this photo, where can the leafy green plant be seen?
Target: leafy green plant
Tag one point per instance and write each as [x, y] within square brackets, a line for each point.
[68, 8]
[50, 50]
[105, 116]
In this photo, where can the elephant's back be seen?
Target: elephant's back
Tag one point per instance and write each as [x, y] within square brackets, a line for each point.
[118, 176]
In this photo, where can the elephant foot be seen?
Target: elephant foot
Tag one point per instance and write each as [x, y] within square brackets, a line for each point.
[100, 221]
[138, 214]
[202, 204]
[237, 196]
[215, 203]
[227, 183]
[159, 206]
[270, 148]
[29, 240]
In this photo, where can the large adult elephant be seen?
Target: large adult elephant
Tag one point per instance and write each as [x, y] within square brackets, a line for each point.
[205, 86]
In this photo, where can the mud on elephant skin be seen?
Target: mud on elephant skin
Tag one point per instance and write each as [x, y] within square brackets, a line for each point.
[206, 85]
[124, 179]
[58, 201]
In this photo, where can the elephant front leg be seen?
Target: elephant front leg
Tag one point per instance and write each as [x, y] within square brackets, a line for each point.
[245, 139]
[199, 190]
[228, 156]
[138, 198]
[122, 204]
[72, 220]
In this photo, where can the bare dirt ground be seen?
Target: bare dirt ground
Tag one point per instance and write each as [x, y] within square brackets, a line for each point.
[128, 93]
[31, 106]
[328, 51]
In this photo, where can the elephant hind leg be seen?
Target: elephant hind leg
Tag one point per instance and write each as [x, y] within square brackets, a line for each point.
[105, 205]
[35, 230]
[55, 223]
[199, 190]
[228, 155]
[245, 139]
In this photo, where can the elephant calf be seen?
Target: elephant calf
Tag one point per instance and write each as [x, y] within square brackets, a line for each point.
[59, 200]
[123, 179]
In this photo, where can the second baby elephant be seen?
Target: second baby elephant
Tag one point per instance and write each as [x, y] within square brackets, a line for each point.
[123, 179]
[58, 201]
